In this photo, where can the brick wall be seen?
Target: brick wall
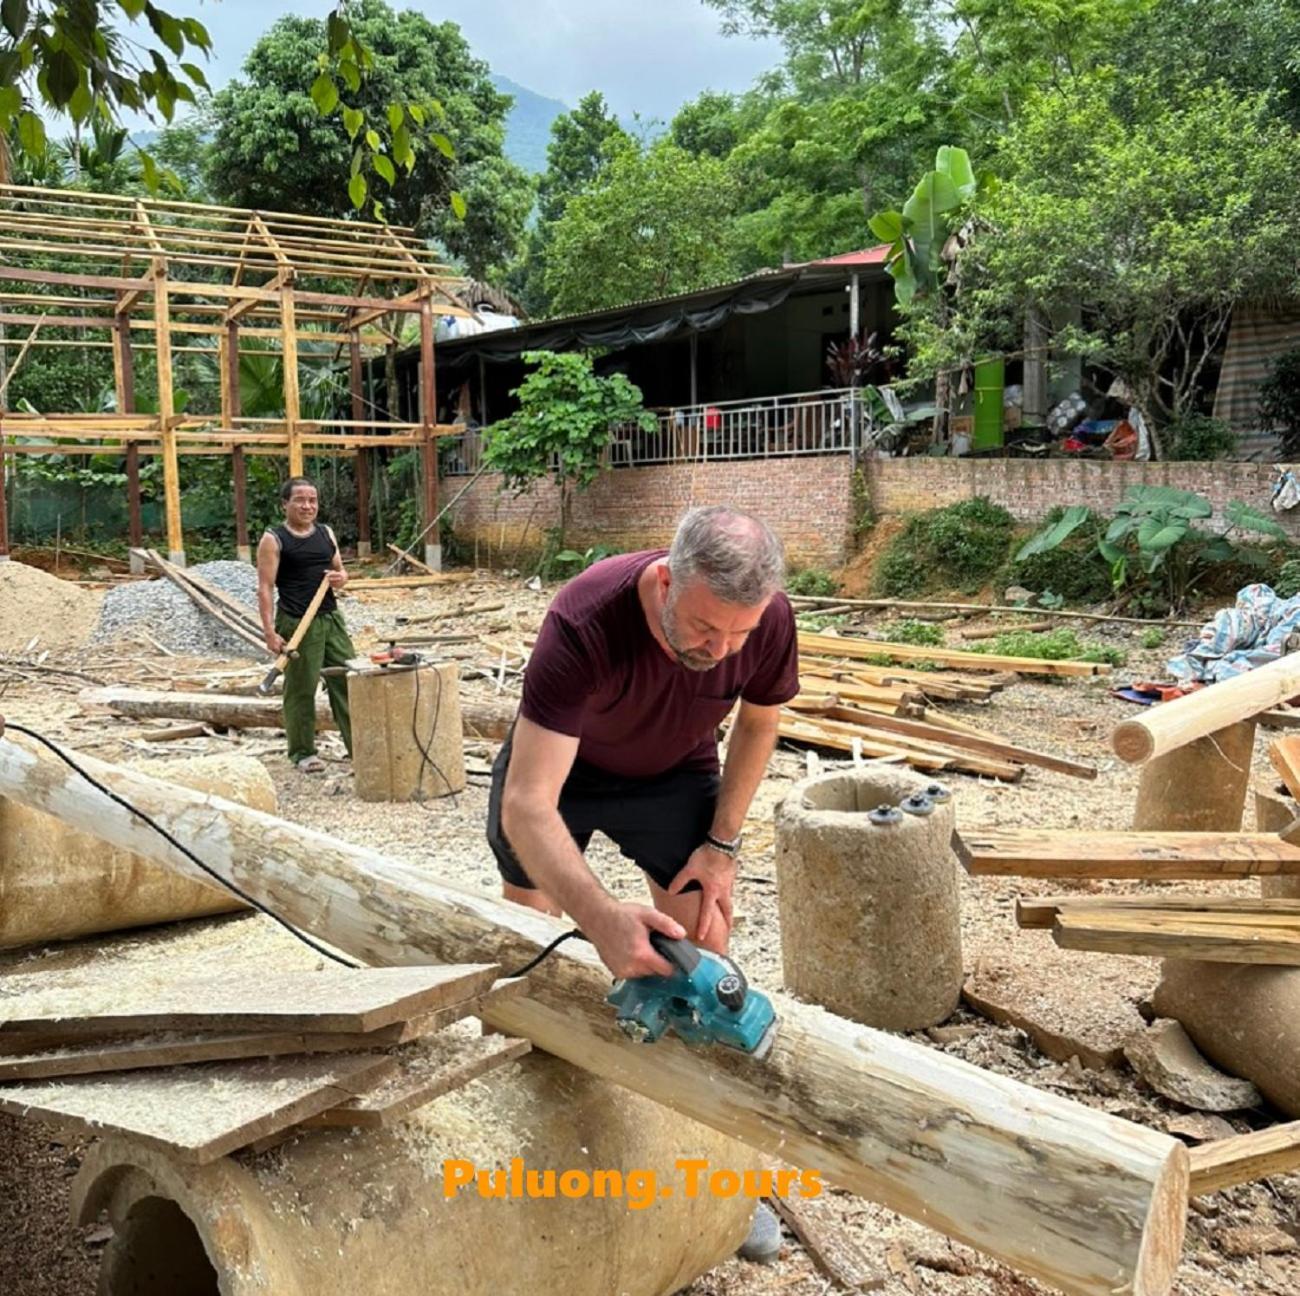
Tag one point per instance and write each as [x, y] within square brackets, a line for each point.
[1028, 488]
[807, 500]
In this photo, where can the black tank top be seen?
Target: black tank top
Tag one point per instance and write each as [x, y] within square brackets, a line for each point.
[303, 561]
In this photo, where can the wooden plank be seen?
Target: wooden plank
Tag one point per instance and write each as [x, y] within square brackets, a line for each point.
[1245, 1158]
[976, 1155]
[411, 560]
[1284, 753]
[988, 745]
[406, 582]
[1035, 852]
[333, 999]
[1174, 724]
[1174, 937]
[1280, 718]
[37, 1060]
[200, 1113]
[860, 648]
[832, 1248]
[1041, 911]
[425, 1071]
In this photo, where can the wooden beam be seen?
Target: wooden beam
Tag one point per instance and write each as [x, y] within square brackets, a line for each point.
[855, 648]
[429, 422]
[1284, 753]
[356, 382]
[166, 409]
[1034, 852]
[1041, 911]
[292, 406]
[1172, 724]
[1179, 936]
[1245, 1158]
[1065, 1193]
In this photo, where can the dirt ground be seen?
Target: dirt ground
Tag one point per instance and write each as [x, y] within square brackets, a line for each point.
[41, 1254]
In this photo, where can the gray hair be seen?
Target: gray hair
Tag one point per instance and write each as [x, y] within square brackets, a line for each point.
[738, 557]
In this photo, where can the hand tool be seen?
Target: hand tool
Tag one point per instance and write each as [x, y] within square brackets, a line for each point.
[290, 650]
[706, 1000]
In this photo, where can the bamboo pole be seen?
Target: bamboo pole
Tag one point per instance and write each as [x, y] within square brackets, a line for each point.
[292, 409]
[1080, 1199]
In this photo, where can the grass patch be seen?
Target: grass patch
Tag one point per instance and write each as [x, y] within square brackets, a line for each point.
[1152, 638]
[811, 582]
[1055, 645]
[913, 632]
[816, 621]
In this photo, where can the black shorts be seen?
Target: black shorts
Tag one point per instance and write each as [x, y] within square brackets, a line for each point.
[656, 822]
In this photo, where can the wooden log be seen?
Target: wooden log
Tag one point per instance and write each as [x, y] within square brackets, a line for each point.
[1068, 1194]
[410, 560]
[1245, 1158]
[992, 632]
[1200, 786]
[1034, 852]
[482, 718]
[860, 648]
[57, 883]
[1041, 911]
[1173, 724]
[407, 733]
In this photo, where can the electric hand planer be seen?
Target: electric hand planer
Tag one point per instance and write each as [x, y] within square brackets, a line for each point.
[706, 1000]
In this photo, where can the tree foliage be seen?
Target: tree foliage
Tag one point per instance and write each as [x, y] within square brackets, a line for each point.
[566, 417]
[281, 138]
[656, 222]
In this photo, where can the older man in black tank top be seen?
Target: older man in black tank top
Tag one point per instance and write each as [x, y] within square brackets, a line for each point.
[291, 559]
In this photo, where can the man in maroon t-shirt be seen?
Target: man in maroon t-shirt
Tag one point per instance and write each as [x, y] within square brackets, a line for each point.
[638, 661]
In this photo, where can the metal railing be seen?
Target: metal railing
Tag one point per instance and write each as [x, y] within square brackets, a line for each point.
[802, 423]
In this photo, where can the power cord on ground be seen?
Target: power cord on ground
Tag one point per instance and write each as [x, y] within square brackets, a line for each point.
[180, 846]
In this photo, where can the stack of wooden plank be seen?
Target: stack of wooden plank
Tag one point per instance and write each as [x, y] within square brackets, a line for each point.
[204, 1067]
[859, 649]
[886, 714]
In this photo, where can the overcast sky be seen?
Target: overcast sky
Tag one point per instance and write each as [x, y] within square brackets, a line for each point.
[647, 56]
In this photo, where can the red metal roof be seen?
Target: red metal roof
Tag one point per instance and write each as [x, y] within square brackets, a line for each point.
[864, 257]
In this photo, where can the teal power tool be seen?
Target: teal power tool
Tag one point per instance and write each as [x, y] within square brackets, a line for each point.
[706, 1000]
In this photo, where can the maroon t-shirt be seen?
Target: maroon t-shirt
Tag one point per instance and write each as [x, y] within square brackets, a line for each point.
[598, 674]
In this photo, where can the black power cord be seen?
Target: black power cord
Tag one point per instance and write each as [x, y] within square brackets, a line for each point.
[180, 846]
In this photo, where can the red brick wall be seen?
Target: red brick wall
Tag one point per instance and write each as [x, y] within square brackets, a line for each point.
[1028, 488]
[807, 500]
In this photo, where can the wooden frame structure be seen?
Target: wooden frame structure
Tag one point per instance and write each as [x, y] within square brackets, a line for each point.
[139, 275]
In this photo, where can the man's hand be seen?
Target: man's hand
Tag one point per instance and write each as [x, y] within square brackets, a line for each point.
[621, 936]
[716, 874]
[275, 643]
[337, 578]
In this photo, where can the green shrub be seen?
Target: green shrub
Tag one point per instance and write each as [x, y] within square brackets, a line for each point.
[1286, 583]
[1074, 570]
[1152, 638]
[1279, 400]
[962, 546]
[1055, 645]
[818, 621]
[1198, 437]
[913, 632]
[811, 582]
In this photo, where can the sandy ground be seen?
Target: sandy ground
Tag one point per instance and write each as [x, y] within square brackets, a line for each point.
[42, 1255]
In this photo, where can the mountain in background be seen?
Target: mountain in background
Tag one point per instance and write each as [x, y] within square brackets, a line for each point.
[528, 125]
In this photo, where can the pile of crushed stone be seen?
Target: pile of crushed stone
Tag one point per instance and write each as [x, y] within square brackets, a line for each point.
[35, 605]
[173, 619]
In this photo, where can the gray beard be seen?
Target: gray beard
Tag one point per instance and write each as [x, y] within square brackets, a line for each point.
[693, 661]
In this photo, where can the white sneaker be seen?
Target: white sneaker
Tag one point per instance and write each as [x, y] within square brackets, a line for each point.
[763, 1245]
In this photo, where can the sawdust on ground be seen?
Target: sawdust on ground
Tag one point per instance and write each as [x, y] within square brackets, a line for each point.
[35, 605]
[41, 1256]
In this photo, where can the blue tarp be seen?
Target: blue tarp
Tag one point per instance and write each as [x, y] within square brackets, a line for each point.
[1258, 629]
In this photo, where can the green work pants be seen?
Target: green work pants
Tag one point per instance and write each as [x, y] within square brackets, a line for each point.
[326, 643]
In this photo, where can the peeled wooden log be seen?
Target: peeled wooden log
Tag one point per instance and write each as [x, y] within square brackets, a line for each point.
[1162, 728]
[57, 882]
[481, 718]
[1073, 1196]
[870, 915]
[330, 1214]
[1244, 1018]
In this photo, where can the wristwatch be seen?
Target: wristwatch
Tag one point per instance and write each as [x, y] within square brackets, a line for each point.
[731, 847]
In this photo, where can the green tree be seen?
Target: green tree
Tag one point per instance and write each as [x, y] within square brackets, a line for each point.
[184, 150]
[656, 222]
[580, 145]
[1136, 228]
[566, 417]
[272, 148]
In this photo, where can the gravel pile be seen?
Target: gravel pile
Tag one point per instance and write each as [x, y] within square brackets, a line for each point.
[160, 609]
